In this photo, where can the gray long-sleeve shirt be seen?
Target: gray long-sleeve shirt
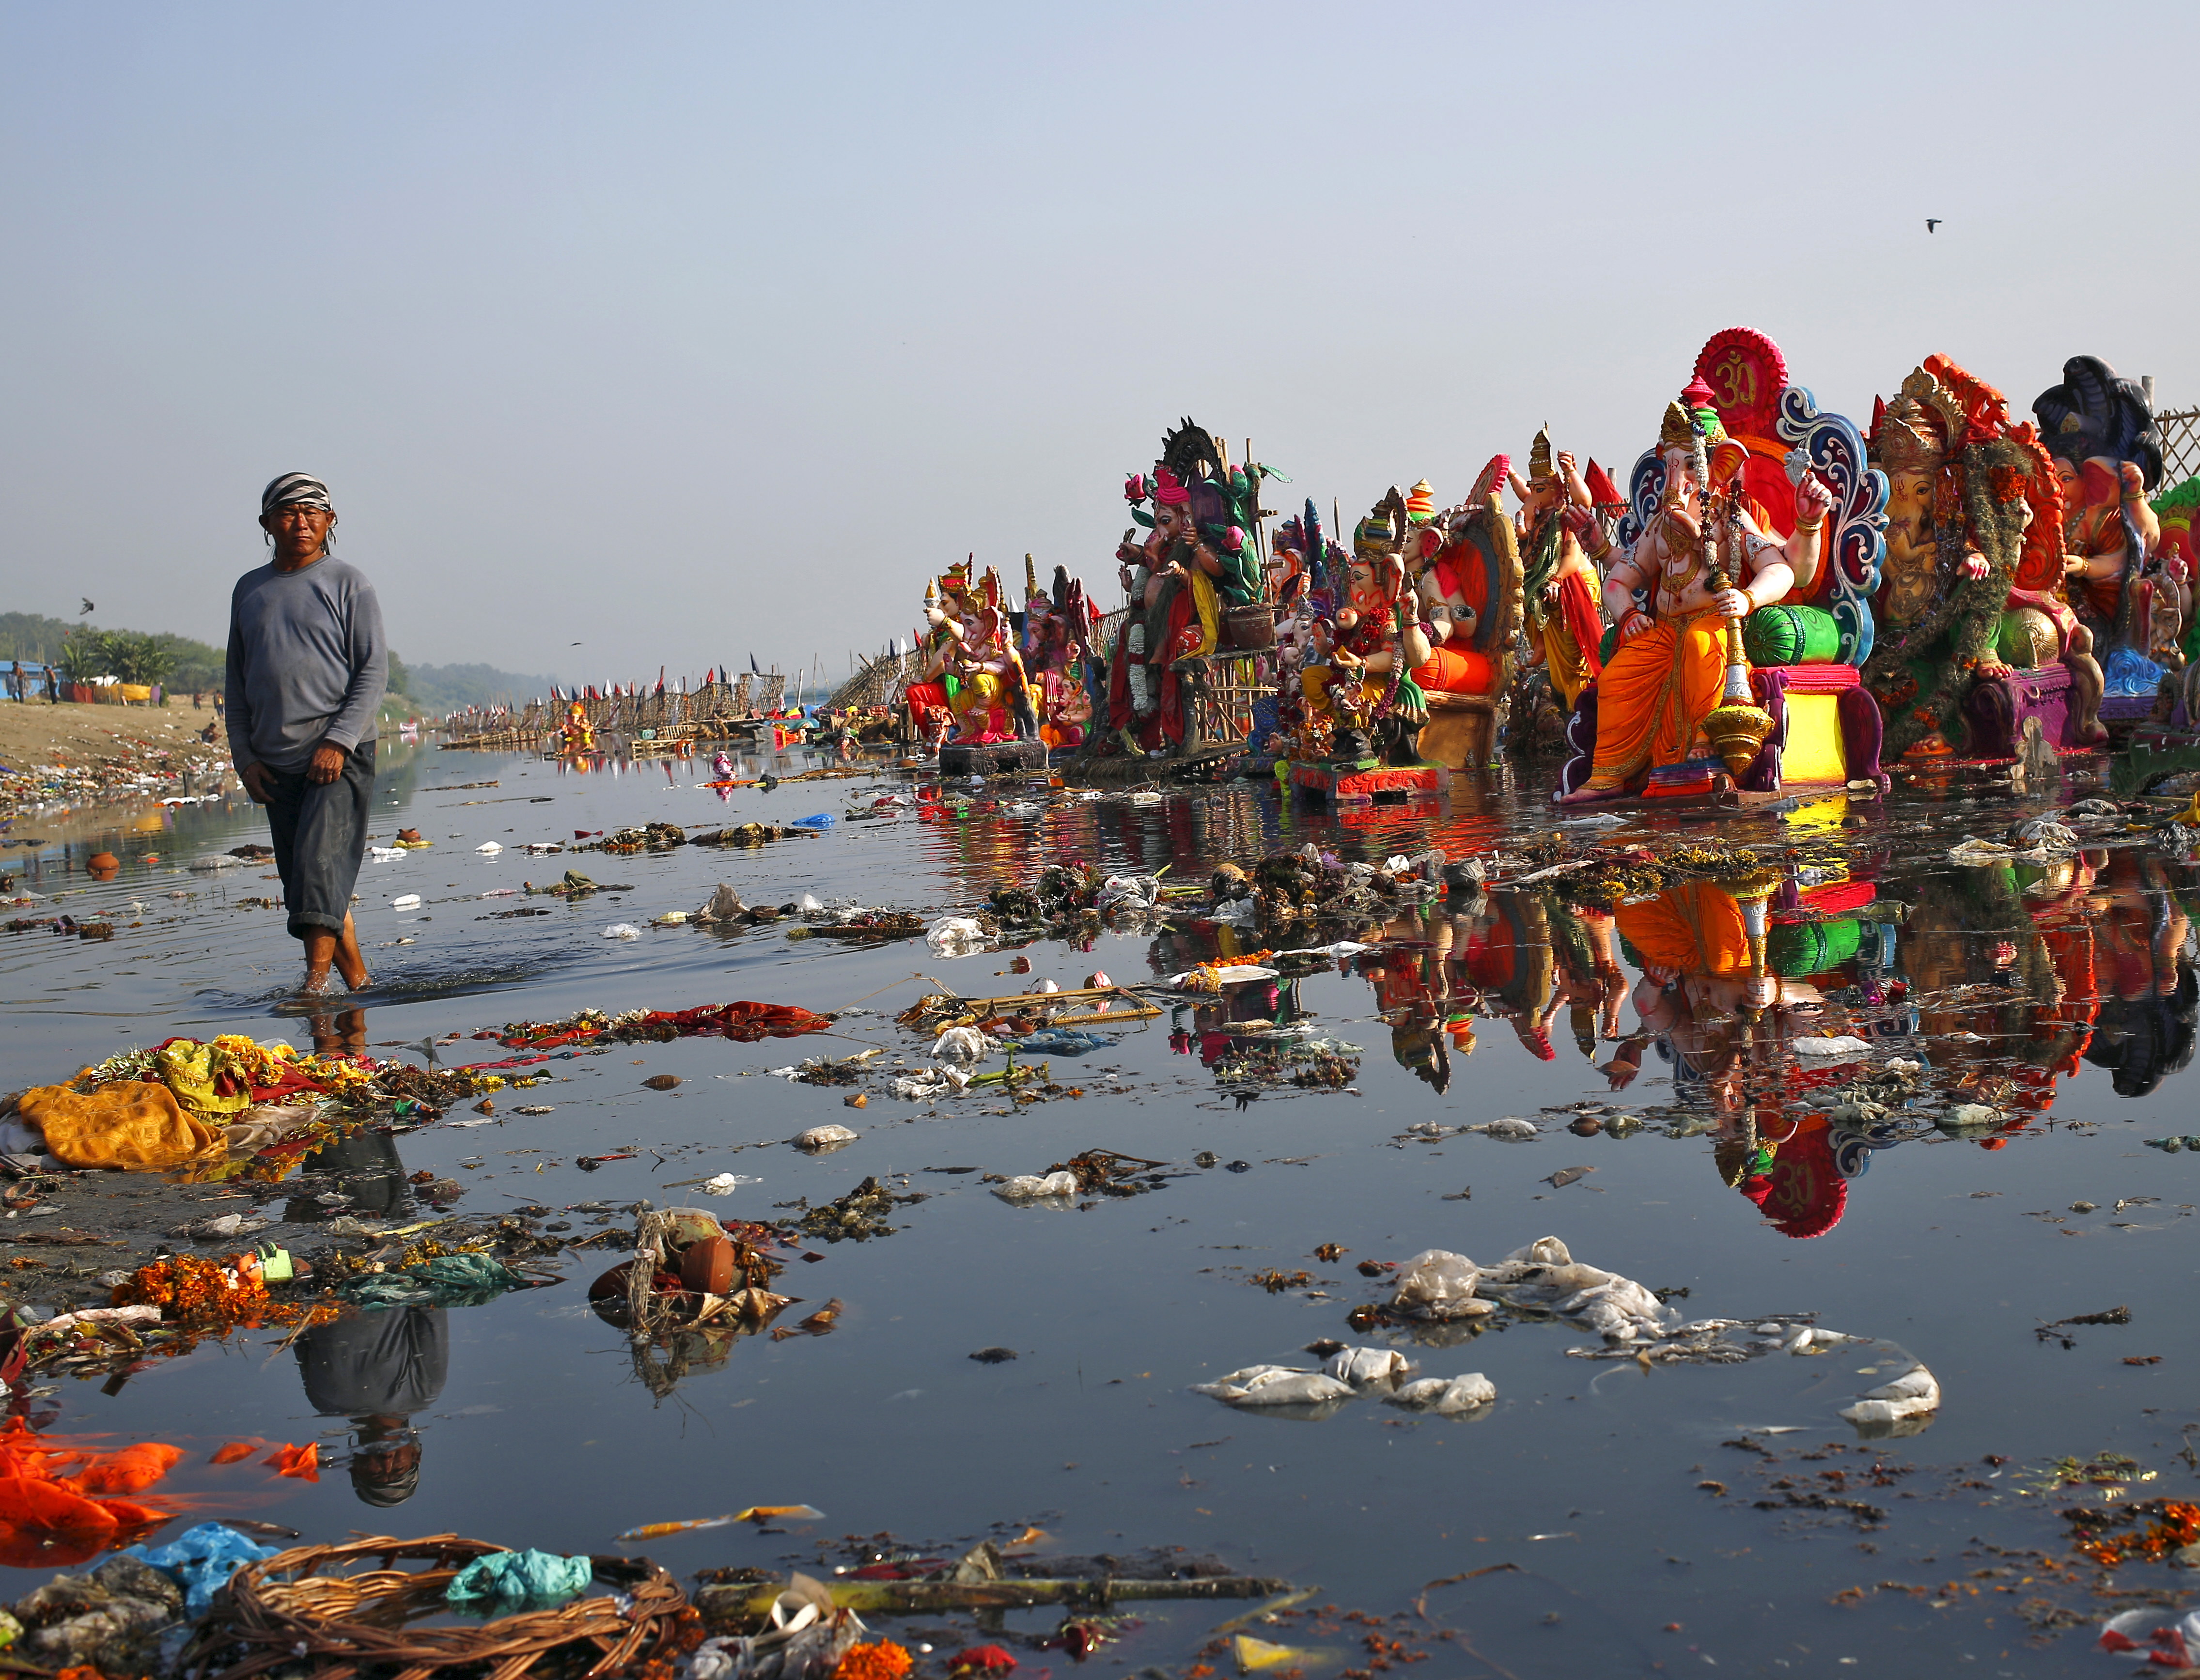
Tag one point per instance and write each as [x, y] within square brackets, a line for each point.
[306, 663]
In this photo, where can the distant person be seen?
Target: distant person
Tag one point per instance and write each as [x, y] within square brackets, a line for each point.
[198, 700]
[307, 669]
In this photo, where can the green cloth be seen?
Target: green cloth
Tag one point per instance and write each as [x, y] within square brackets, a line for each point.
[448, 1280]
[1790, 636]
[541, 1579]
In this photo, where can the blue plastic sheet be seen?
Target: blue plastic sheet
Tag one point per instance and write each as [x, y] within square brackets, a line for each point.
[1061, 1041]
[200, 1560]
[822, 820]
[542, 1579]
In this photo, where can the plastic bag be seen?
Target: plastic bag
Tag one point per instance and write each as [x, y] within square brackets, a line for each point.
[963, 1044]
[1438, 1284]
[1362, 1366]
[543, 1578]
[200, 1560]
[1446, 1394]
[955, 936]
[2154, 1637]
[1030, 1187]
[1136, 891]
[621, 930]
[1914, 1394]
[448, 1280]
[1275, 1385]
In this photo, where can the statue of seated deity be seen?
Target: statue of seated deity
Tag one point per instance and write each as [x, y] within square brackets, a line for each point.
[1971, 589]
[1057, 653]
[1700, 562]
[1560, 590]
[579, 735]
[990, 686]
[2100, 430]
[931, 718]
[1359, 692]
[1197, 561]
[1466, 570]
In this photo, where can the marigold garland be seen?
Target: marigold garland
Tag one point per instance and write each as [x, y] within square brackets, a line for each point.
[883, 1661]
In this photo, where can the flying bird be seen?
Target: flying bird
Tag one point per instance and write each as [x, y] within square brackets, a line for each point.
[1932, 224]
[87, 607]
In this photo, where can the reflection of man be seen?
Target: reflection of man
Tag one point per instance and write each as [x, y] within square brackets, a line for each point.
[378, 1369]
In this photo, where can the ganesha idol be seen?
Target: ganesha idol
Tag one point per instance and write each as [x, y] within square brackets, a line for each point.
[1057, 653]
[1974, 636]
[969, 679]
[2100, 430]
[1739, 592]
[1465, 569]
[1195, 585]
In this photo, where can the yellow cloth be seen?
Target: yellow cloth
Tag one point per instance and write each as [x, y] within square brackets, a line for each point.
[1654, 696]
[187, 1069]
[133, 1126]
[1564, 660]
[1209, 607]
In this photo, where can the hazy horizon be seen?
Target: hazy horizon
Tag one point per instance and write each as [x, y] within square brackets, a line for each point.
[693, 332]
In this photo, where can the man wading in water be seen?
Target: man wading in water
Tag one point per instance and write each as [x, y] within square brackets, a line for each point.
[307, 666]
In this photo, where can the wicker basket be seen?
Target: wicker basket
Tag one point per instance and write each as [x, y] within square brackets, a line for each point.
[302, 1606]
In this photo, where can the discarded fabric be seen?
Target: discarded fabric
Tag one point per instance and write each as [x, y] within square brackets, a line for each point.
[1446, 1394]
[1031, 1187]
[1275, 1385]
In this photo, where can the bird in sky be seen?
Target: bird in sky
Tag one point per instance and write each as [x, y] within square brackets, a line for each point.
[1932, 224]
[87, 607]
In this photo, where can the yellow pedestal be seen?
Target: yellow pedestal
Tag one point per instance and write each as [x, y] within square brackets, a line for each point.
[1813, 752]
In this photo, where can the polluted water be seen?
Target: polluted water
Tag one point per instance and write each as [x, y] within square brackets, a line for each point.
[1762, 1241]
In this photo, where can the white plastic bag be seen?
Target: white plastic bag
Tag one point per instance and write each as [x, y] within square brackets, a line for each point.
[1032, 1187]
[1446, 1394]
[963, 1044]
[955, 936]
[1275, 1385]
[1362, 1366]
[1136, 891]
[621, 930]
[1438, 1284]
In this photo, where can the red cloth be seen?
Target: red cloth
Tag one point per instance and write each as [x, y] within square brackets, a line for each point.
[1577, 605]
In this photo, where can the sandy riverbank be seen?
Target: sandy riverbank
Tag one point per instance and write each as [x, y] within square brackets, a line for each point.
[70, 754]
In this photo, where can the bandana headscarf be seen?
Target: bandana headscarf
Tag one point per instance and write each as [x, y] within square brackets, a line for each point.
[290, 490]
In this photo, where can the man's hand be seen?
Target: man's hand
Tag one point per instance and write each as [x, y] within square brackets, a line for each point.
[252, 776]
[328, 764]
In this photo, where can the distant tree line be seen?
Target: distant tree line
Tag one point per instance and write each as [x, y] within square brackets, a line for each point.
[83, 651]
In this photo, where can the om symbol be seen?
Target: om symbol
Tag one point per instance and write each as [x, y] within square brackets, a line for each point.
[1735, 378]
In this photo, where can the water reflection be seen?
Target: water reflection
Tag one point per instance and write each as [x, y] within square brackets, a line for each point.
[1803, 1021]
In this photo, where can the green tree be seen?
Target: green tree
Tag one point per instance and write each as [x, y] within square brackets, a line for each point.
[85, 653]
[400, 680]
[134, 656]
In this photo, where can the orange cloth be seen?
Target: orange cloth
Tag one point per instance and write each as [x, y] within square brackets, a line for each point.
[1695, 928]
[1455, 671]
[137, 1128]
[1654, 695]
[132, 1470]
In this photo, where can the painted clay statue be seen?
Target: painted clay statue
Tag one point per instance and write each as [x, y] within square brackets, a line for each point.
[1363, 690]
[1056, 652]
[931, 718]
[580, 735]
[2100, 429]
[1702, 560]
[990, 689]
[1973, 566]
[1465, 567]
[1197, 558]
[1560, 589]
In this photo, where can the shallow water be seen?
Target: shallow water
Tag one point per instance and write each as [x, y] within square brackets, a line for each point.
[1584, 1476]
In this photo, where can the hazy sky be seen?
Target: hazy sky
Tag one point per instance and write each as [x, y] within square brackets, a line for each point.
[684, 332]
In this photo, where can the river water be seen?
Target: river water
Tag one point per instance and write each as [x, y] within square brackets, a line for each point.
[1574, 1509]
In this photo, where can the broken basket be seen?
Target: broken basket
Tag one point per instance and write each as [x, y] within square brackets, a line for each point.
[303, 1607]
